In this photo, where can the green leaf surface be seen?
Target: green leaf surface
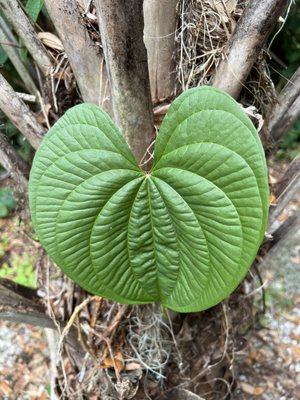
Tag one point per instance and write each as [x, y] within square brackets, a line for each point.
[184, 234]
[3, 55]
[33, 8]
[3, 210]
[7, 198]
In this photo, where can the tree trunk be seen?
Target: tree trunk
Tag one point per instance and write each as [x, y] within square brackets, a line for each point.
[127, 69]
[159, 37]
[84, 56]
[291, 192]
[281, 125]
[286, 110]
[21, 304]
[292, 173]
[244, 46]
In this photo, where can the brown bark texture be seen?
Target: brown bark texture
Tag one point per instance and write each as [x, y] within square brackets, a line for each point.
[15, 14]
[159, 37]
[85, 58]
[19, 114]
[254, 27]
[121, 27]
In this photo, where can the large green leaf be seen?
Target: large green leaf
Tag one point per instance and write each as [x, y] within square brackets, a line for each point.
[184, 234]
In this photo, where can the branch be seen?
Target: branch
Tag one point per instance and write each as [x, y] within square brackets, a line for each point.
[290, 175]
[287, 108]
[19, 114]
[14, 164]
[121, 27]
[159, 37]
[84, 57]
[24, 29]
[292, 192]
[11, 49]
[244, 46]
[283, 240]
[21, 304]
[289, 224]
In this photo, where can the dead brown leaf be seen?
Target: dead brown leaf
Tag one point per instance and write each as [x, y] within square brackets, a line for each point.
[116, 362]
[50, 40]
[253, 390]
[5, 389]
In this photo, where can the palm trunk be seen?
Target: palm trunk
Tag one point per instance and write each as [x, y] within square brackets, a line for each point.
[127, 69]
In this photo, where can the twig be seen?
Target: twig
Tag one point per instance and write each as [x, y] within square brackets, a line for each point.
[73, 317]
[28, 98]
[41, 101]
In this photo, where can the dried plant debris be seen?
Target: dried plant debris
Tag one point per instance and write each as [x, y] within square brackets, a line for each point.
[259, 90]
[204, 27]
[143, 352]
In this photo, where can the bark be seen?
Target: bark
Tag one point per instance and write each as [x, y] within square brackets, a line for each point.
[244, 46]
[27, 98]
[10, 46]
[121, 27]
[287, 109]
[84, 56]
[21, 304]
[290, 175]
[14, 164]
[284, 241]
[292, 192]
[84, 4]
[24, 29]
[281, 125]
[293, 222]
[19, 114]
[159, 36]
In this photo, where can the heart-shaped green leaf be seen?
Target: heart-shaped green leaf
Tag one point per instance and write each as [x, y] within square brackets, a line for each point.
[183, 234]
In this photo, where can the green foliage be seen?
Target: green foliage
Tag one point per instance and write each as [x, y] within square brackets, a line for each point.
[33, 8]
[3, 55]
[18, 141]
[7, 202]
[20, 266]
[20, 271]
[290, 147]
[183, 234]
